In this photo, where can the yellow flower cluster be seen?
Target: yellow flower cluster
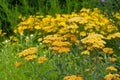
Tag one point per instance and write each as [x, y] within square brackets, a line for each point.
[60, 43]
[84, 22]
[61, 31]
[71, 38]
[113, 59]
[30, 57]
[85, 52]
[94, 21]
[41, 59]
[2, 33]
[112, 77]
[117, 15]
[51, 38]
[94, 41]
[108, 50]
[73, 77]
[61, 49]
[29, 53]
[60, 46]
[17, 64]
[111, 68]
[57, 43]
[112, 36]
[27, 24]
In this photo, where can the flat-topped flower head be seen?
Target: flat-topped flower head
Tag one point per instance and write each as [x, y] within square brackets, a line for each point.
[86, 52]
[112, 77]
[29, 51]
[94, 41]
[108, 50]
[111, 68]
[17, 64]
[30, 57]
[73, 77]
[42, 59]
